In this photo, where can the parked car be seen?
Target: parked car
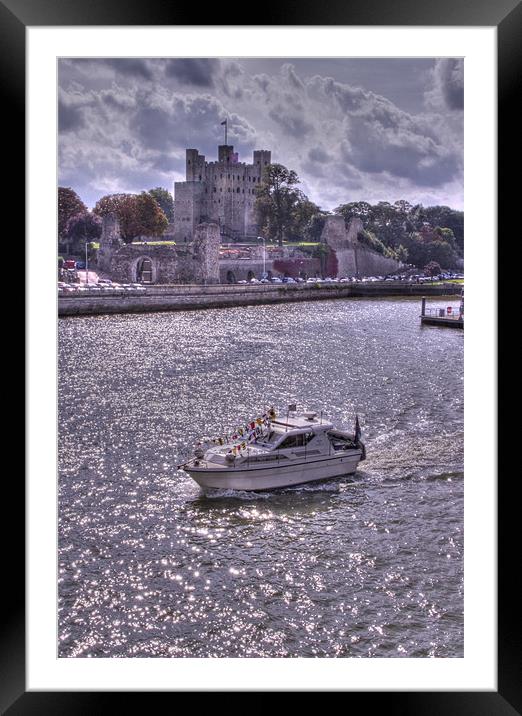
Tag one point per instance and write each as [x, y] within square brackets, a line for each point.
[276, 279]
[69, 264]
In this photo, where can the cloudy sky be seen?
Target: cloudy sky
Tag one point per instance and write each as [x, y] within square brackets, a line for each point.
[353, 129]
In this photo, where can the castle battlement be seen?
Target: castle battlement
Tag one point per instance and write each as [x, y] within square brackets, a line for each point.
[221, 191]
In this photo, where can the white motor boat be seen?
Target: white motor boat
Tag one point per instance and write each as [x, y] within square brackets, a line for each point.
[274, 452]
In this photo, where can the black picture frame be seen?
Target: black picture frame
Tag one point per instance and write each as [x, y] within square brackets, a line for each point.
[506, 15]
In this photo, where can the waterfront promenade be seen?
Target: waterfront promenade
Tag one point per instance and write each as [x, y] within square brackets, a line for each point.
[194, 297]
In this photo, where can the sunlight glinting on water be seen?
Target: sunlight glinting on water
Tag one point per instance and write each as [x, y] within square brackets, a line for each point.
[365, 566]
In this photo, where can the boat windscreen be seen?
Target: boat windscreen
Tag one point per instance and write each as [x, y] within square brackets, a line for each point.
[271, 437]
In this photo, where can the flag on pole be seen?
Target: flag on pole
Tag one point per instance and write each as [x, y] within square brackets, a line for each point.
[357, 429]
[222, 123]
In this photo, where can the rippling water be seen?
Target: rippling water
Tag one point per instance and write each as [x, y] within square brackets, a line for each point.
[366, 566]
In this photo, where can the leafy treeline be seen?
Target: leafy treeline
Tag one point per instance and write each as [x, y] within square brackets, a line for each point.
[416, 234]
[145, 214]
[409, 233]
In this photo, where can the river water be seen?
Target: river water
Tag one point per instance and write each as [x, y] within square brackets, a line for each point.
[365, 566]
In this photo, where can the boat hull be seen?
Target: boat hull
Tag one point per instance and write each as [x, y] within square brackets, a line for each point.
[268, 478]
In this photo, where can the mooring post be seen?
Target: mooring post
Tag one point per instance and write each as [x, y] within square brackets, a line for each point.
[423, 309]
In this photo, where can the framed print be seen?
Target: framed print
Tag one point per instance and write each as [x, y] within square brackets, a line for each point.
[385, 587]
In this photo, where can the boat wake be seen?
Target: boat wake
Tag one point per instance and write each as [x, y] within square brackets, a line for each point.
[216, 494]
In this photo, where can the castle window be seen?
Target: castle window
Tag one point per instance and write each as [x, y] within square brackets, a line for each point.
[215, 190]
[238, 190]
[200, 177]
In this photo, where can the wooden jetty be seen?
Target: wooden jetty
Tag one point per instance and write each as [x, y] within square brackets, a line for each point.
[450, 317]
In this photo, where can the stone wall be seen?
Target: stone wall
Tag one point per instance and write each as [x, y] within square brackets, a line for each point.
[110, 242]
[199, 297]
[196, 261]
[353, 258]
[205, 250]
[370, 263]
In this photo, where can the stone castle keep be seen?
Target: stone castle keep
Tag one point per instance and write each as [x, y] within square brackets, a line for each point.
[216, 204]
[222, 192]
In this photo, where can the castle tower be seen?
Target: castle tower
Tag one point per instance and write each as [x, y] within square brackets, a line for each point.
[221, 192]
[110, 241]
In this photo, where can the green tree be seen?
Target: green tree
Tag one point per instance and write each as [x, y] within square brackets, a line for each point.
[138, 214]
[314, 228]
[441, 252]
[417, 249]
[83, 228]
[402, 253]
[69, 204]
[151, 218]
[356, 209]
[165, 201]
[302, 212]
[432, 269]
[275, 201]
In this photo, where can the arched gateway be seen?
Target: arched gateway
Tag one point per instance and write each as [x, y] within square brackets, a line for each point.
[144, 270]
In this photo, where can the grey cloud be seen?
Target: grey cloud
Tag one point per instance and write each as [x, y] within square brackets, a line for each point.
[118, 131]
[132, 67]
[447, 85]
[196, 71]
[290, 123]
[70, 118]
[289, 73]
[400, 152]
[318, 154]
[450, 76]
